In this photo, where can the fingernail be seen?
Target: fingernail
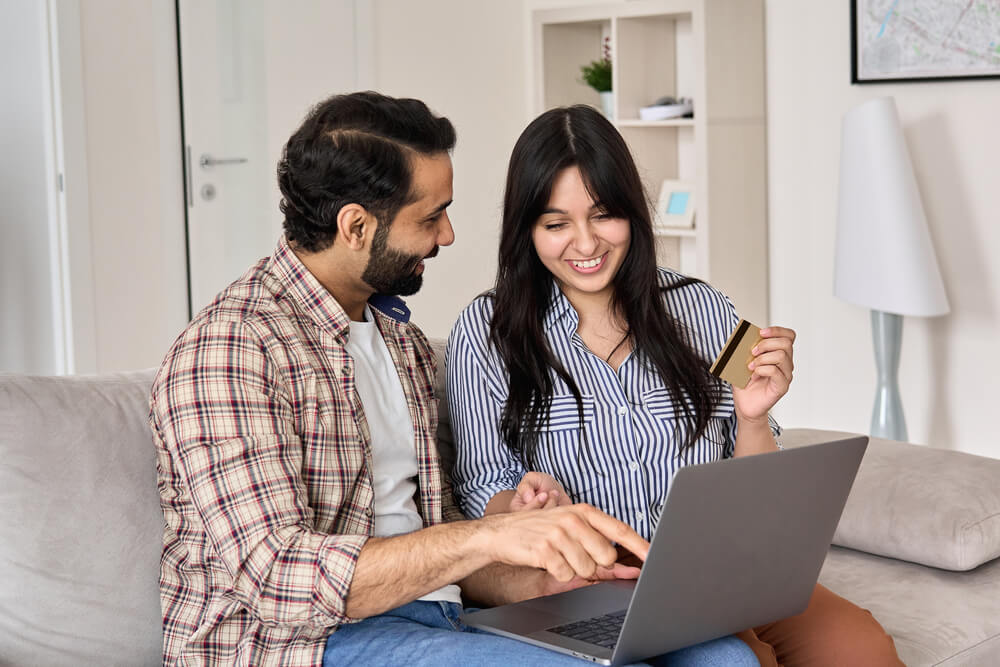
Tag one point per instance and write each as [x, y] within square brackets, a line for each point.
[755, 350]
[764, 332]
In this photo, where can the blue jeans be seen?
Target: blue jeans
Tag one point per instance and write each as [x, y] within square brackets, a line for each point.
[432, 634]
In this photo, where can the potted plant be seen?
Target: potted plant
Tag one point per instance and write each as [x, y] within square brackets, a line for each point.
[597, 75]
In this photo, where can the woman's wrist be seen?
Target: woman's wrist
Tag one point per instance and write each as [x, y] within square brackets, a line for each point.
[499, 503]
[753, 436]
[753, 423]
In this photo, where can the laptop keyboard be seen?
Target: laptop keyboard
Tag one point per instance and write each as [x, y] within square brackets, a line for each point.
[600, 630]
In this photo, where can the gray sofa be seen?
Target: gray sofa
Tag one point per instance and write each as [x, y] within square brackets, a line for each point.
[80, 535]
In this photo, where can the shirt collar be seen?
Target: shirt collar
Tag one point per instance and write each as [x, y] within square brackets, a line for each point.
[307, 291]
[561, 312]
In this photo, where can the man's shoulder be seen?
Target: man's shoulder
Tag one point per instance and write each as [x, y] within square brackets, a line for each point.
[240, 321]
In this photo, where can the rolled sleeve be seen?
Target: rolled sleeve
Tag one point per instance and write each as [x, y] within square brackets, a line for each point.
[484, 464]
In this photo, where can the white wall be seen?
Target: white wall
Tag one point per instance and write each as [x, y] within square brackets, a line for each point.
[948, 364]
[27, 321]
[466, 60]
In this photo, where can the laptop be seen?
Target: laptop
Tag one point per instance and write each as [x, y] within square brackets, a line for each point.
[739, 543]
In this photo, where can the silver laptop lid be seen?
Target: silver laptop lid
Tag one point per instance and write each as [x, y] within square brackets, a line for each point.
[740, 543]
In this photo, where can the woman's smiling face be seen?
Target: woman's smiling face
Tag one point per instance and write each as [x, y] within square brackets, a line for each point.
[580, 245]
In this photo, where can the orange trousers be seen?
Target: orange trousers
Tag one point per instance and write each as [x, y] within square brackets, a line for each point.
[831, 631]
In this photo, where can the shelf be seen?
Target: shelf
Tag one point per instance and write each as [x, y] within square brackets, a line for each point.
[670, 122]
[675, 233]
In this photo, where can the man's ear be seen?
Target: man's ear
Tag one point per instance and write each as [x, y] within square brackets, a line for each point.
[355, 225]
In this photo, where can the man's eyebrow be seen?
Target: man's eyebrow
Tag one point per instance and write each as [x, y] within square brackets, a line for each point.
[440, 208]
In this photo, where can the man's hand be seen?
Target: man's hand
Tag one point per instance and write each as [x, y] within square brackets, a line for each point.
[538, 490]
[567, 542]
[551, 586]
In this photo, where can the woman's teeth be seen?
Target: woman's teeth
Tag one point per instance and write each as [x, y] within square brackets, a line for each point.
[589, 264]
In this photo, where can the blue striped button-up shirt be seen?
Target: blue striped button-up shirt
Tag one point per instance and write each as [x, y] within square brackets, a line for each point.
[633, 431]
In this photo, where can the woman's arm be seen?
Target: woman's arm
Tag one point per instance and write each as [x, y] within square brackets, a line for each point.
[772, 368]
[484, 466]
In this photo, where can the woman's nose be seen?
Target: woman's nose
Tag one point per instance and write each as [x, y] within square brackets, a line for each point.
[585, 240]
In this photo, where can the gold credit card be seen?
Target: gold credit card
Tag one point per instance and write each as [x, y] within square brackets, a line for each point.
[731, 364]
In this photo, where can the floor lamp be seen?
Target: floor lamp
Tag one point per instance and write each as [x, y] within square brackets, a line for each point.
[884, 258]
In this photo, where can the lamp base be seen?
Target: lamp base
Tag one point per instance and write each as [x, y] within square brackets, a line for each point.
[887, 415]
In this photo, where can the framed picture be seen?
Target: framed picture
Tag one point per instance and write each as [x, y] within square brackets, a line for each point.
[924, 40]
[675, 205]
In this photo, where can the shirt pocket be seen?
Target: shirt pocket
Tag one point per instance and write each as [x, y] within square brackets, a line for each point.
[564, 413]
[561, 441]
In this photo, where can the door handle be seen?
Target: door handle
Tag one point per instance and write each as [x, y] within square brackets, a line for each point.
[206, 161]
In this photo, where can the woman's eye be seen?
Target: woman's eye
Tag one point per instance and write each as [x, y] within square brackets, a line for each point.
[553, 226]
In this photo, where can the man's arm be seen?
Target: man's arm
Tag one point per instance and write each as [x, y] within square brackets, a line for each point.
[567, 544]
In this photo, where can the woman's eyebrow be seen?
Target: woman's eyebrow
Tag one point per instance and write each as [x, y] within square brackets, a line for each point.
[598, 206]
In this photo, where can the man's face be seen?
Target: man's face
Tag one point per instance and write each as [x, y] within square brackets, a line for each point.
[396, 260]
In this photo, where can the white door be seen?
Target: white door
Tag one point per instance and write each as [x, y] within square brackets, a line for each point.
[250, 70]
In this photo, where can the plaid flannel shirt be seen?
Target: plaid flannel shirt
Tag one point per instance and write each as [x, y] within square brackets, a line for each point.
[264, 468]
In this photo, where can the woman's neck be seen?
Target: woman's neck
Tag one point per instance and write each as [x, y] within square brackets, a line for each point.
[601, 329]
[591, 308]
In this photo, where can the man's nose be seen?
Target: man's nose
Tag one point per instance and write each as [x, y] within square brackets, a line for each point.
[446, 233]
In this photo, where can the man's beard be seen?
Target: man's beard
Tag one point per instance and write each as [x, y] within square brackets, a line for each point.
[390, 271]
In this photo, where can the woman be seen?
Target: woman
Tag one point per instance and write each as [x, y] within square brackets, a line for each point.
[584, 375]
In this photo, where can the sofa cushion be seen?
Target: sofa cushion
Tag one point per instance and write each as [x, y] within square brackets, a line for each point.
[935, 617]
[82, 528]
[930, 506]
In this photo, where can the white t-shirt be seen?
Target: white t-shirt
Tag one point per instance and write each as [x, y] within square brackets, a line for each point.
[394, 456]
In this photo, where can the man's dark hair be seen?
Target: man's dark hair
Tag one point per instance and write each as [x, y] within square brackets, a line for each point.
[355, 148]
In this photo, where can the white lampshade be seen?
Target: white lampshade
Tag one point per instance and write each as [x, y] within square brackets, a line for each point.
[884, 257]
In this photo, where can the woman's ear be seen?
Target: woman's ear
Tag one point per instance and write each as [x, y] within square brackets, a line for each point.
[355, 224]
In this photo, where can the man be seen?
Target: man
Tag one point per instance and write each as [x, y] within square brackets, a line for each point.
[294, 426]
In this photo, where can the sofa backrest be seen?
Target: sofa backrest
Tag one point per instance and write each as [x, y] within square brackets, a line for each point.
[82, 528]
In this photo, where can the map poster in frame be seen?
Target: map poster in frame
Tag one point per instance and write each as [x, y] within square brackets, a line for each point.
[924, 40]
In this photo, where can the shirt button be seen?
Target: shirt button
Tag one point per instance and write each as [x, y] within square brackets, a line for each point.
[622, 410]
[633, 466]
[368, 511]
[347, 370]
[639, 516]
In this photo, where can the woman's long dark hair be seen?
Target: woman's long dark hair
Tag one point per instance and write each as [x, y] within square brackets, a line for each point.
[565, 137]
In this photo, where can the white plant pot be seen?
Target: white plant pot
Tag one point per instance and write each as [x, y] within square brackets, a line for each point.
[608, 104]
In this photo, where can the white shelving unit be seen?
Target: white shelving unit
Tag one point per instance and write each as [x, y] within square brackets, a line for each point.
[713, 52]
